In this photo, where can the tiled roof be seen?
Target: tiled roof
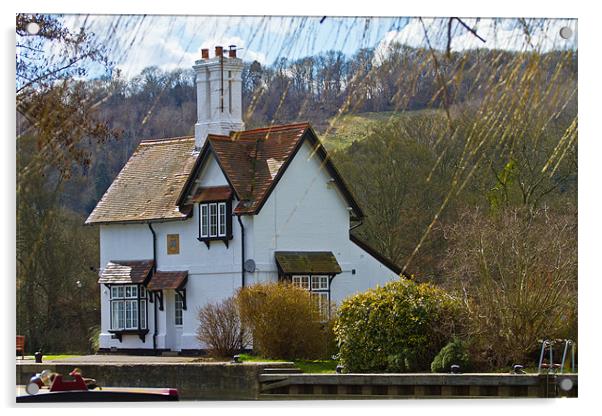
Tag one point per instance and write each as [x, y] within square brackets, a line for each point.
[212, 193]
[253, 159]
[312, 262]
[149, 185]
[167, 280]
[126, 271]
[157, 179]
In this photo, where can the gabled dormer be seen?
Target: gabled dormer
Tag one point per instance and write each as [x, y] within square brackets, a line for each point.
[215, 213]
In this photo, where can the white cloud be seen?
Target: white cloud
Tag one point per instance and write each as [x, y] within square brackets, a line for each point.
[508, 34]
[168, 42]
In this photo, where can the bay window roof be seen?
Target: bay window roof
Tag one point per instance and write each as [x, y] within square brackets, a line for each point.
[126, 272]
[307, 262]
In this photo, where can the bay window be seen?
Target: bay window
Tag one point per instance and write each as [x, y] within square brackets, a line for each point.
[128, 307]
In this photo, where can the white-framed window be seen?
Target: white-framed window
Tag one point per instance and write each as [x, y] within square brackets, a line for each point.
[301, 281]
[319, 283]
[214, 220]
[322, 304]
[204, 220]
[221, 218]
[179, 307]
[318, 286]
[127, 310]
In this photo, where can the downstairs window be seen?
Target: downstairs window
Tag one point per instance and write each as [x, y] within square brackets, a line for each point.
[128, 307]
[319, 288]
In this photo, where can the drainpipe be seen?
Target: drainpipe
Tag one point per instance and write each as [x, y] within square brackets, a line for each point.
[155, 331]
[150, 226]
[242, 250]
[242, 269]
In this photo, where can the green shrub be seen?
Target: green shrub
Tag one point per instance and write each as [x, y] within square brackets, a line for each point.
[284, 322]
[456, 352]
[398, 327]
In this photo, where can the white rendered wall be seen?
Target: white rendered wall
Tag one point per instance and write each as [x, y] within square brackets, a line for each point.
[306, 212]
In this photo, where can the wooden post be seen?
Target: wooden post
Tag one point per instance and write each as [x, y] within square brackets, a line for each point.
[446, 391]
[419, 391]
[474, 391]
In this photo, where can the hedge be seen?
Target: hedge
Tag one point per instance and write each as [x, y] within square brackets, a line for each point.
[398, 327]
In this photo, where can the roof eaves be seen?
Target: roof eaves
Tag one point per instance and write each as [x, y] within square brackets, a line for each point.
[342, 185]
[378, 256]
[281, 171]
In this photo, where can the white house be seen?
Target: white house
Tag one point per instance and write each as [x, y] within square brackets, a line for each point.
[189, 220]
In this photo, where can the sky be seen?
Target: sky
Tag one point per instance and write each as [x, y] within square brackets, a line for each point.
[169, 42]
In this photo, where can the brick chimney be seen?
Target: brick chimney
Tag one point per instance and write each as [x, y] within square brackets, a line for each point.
[219, 94]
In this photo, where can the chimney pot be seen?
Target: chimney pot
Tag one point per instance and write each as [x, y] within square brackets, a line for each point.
[205, 53]
[219, 51]
[232, 51]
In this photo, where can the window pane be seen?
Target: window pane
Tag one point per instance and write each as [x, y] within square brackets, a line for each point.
[143, 314]
[213, 220]
[305, 282]
[222, 219]
[179, 304]
[128, 314]
[321, 304]
[319, 282]
[121, 314]
[113, 292]
[315, 282]
[120, 291]
[116, 315]
[134, 313]
[128, 292]
[134, 291]
[204, 221]
[142, 292]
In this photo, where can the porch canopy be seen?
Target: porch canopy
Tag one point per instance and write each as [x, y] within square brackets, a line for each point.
[167, 280]
[307, 262]
[126, 272]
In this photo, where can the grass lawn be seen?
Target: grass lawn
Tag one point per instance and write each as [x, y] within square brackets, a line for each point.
[307, 366]
[60, 356]
[51, 357]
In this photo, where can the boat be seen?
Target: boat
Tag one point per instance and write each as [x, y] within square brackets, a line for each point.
[48, 387]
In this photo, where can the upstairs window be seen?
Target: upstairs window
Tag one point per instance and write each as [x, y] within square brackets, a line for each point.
[215, 221]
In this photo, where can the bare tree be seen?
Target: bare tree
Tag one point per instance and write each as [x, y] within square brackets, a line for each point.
[517, 273]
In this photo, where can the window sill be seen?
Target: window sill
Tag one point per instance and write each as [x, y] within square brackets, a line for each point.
[208, 240]
[118, 333]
